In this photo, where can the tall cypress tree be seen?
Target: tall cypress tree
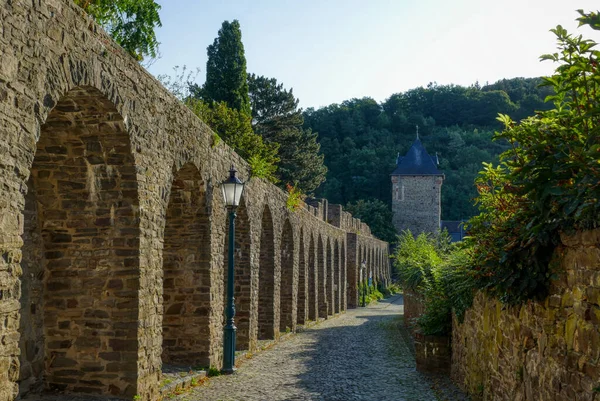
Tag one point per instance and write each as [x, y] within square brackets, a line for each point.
[226, 79]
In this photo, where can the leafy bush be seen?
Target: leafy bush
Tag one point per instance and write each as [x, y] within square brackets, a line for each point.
[371, 293]
[235, 128]
[414, 258]
[547, 183]
[295, 198]
[439, 271]
[392, 289]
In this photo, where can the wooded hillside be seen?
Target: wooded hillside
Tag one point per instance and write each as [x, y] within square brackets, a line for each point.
[360, 138]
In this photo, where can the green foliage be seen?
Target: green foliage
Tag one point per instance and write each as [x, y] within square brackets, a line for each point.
[439, 271]
[548, 182]
[371, 293]
[131, 23]
[212, 371]
[524, 92]
[263, 166]
[230, 125]
[216, 140]
[301, 160]
[226, 79]
[375, 294]
[273, 107]
[235, 128]
[276, 117]
[392, 289]
[377, 215]
[414, 259]
[360, 138]
[591, 19]
[295, 198]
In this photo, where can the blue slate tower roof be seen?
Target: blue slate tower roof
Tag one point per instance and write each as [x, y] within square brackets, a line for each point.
[416, 162]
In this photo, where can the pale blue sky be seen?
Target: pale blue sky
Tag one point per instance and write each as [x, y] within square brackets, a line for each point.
[333, 50]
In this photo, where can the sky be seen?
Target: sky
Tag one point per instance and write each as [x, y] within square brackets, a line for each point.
[329, 51]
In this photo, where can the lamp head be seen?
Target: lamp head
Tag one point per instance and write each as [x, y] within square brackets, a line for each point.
[232, 189]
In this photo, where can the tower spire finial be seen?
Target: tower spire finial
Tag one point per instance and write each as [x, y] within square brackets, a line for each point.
[417, 132]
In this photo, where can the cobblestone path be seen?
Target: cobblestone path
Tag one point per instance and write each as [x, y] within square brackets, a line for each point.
[356, 356]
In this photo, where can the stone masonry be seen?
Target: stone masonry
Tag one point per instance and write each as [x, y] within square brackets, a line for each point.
[418, 204]
[545, 350]
[416, 192]
[113, 232]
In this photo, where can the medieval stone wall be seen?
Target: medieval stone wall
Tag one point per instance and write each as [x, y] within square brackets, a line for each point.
[542, 351]
[416, 203]
[414, 307]
[113, 232]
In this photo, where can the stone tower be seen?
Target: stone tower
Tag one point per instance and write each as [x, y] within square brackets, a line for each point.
[416, 191]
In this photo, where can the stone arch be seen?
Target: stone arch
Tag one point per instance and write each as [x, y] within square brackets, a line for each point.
[369, 265]
[242, 291]
[366, 260]
[381, 272]
[322, 278]
[375, 267]
[266, 278]
[360, 260]
[372, 265]
[79, 298]
[329, 282]
[301, 308]
[186, 272]
[345, 289]
[336, 277]
[286, 293]
[388, 265]
[383, 266]
[313, 291]
[376, 251]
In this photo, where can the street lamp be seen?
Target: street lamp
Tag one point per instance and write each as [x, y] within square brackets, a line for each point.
[232, 193]
[363, 268]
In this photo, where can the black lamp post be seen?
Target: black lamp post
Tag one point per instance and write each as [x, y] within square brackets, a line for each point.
[232, 193]
[363, 268]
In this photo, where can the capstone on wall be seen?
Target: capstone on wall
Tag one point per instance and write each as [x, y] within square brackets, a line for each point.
[542, 351]
[113, 232]
[416, 203]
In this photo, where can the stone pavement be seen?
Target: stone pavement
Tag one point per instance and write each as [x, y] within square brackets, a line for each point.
[358, 355]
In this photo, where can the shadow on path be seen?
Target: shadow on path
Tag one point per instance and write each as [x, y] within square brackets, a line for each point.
[364, 359]
[364, 354]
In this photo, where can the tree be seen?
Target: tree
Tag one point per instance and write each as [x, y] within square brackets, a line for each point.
[301, 163]
[131, 23]
[377, 215]
[277, 118]
[235, 128]
[232, 126]
[360, 138]
[273, 107]
[226, 78]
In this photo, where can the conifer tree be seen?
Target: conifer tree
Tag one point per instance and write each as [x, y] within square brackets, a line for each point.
[277, 118]
[226, 70]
